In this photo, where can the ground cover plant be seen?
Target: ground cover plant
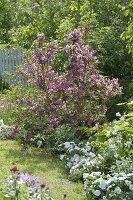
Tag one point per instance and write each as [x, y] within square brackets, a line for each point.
[102, 165]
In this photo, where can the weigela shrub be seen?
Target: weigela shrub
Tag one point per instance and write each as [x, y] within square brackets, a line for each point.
[75, 96]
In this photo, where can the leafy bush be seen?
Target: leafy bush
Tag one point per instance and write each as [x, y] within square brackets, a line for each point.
[78, 88]
[76, 96]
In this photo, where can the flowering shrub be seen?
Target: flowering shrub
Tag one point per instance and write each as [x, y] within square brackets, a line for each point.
[23, 186]
[62, 96]
[76, 96]
[104, 162]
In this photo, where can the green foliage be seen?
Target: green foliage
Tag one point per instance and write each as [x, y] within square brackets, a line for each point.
[8, 101]
[128, 32]
[3, 84]
[6, 20]
[63, 133]
[104, 162]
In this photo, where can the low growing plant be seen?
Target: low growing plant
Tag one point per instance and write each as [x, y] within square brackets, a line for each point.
[104, 162]
[23, 186]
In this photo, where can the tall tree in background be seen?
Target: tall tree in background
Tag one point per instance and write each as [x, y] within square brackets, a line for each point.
[6, 20]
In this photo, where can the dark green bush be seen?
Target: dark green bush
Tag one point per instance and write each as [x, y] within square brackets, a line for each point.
[3, 84]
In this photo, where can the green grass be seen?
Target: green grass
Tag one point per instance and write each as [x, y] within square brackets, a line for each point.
[51, 169]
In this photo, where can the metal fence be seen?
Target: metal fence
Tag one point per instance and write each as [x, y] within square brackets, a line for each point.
[10, 59]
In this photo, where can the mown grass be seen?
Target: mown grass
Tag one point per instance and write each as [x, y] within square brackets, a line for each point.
[38, 163]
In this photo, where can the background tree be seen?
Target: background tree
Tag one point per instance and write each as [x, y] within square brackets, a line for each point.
[6, 20]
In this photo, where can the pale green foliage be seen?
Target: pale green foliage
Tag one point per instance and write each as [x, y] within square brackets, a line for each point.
[128, 32]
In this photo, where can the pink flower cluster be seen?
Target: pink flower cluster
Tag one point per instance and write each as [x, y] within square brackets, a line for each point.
[75, 96]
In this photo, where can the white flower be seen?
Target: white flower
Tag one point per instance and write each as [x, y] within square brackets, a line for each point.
[100, 157]
[128, 143]
[112, 179]
[88, 148]
[69, 164]
[96, 173]
[39, 143]
[67, 145]
[87, 144]
[117, 190]
[84, 150]
[128, 183]
[1, 122]
[7, 195]
[86, 184]
[76, 158]
[121, 178]
[131, 187]
[126, 123]
[85, 175]
[103, 184]
[2, 125]
[104, 198]
[130, 174]
[62, 157]
[96, 192]
[118, 114]
[92, 154]
[77, 148]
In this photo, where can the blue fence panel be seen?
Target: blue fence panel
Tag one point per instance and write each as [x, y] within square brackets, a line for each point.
[10, 59]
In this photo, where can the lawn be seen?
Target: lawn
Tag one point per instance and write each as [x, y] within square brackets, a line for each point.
[38, 163]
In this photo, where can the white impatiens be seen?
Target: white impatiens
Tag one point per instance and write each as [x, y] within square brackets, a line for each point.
[131, 187]
[96, 192]
[67, 145]
[103, 163]
[62, 157]
[103, 184]
[110, 187]
[118, 114]
[85, 175]
[77, 155]
[117, 190]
